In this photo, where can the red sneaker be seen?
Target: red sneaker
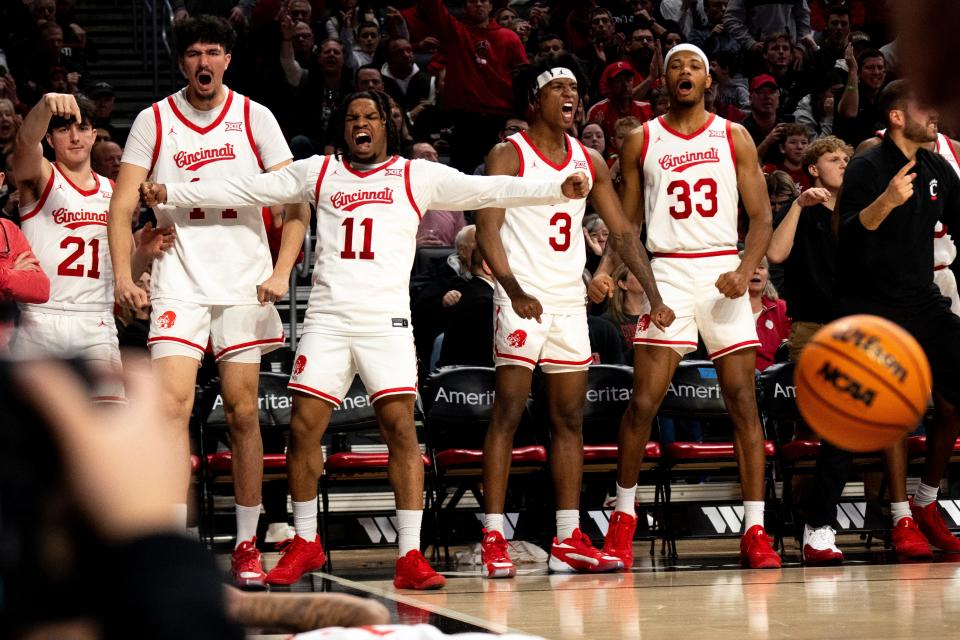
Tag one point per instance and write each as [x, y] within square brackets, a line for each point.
[245, 567]
[494, 557]
[755, 550]
[414, 572]
[820, 546]
[619, 540]
[909, 542]
[932, 525]
[297, 556]
[577, 553]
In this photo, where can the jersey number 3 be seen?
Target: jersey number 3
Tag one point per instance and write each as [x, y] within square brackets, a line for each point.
[562, 222]
[706, 205]
[69, 266]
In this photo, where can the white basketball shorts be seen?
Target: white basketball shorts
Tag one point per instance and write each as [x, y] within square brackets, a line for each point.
[326, 363]
[947, 282]
[91, 337]
[238, 333]
[559, 343]
[688, 286]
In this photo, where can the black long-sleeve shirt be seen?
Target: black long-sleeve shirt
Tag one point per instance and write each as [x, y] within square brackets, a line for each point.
[892, 266]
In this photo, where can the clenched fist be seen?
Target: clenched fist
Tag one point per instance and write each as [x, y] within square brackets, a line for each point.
[601, 288]
[576, 186]
[153, 194]
[63, 105]
[732, 284]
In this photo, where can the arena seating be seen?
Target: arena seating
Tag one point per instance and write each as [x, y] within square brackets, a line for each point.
[457, 404]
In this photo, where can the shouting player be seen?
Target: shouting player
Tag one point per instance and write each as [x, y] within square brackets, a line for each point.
[63, 213]
[217, 284]
[681, 174]
[369, 202]
[537, 256]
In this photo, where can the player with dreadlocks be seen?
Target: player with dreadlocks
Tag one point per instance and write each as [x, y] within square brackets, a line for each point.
[369, 202]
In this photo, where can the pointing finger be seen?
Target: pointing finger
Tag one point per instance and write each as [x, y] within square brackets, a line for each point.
[903, 171]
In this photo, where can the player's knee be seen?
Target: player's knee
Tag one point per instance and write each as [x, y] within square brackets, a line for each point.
[640, 411]
[243, 416]
[740, 398]
[568, 422]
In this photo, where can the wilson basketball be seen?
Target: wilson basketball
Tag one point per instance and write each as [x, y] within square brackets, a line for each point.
[862, 383]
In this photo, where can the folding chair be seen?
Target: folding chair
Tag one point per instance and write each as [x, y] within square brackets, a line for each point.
[694, 394]
[458, 403]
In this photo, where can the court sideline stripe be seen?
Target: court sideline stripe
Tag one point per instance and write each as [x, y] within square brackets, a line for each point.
[414, 602]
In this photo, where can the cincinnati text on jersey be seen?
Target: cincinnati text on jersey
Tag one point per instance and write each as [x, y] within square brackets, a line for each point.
[350, 201]
[684, 161]
[77, 219]
[195, 160]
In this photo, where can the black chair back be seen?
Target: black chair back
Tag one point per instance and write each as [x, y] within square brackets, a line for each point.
[273, 397]
[694, 392]
[609, 388]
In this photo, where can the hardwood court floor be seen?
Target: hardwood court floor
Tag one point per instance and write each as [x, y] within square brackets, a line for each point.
[703, 596]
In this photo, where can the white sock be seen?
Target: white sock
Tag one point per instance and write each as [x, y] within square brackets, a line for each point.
[305, 519]
[408, 529]
[180, 516]
[925, 495]
[899, 511]
[247, 518]
[626, 497]
[752, 513]
[493, 522]
[567, 521]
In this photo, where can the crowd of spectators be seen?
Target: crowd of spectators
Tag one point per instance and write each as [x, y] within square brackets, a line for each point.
[791, 72]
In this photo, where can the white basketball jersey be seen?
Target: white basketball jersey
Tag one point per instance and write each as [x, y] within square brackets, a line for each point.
[67, 230]
[544, 243]
[690, 188]
[366, 241]
[944, 249]
[220, 255]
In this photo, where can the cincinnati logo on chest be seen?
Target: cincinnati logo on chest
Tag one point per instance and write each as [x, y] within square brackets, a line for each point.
[81, 218]
[195, 160]
[350, 201]
[683, 161]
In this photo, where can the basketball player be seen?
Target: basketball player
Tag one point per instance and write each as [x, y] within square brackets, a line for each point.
[369, 203]
[63, 214]
[537, 256]
[681, 175]
[217, 284]
[893, 195]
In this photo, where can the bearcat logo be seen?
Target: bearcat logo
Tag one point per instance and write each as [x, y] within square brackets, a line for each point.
[684, 161]
[873, 346]
[299, 365]
[843, 383]
[517, 339]
[644, 322]
[77, 219]
[350, 201]
[195, 160]
[166, 320]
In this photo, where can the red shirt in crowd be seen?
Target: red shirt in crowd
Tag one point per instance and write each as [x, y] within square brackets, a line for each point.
[17, 285]
[606, 114]
[773, 327]
[480, 61]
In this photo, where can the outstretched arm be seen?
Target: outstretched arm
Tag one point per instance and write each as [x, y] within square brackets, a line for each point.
[30, 167]
[503, 160]
[296, 219]
[625, 240]
[753, 190]
[287, 185]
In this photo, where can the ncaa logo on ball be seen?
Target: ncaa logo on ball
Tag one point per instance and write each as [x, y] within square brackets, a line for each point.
[845, 383]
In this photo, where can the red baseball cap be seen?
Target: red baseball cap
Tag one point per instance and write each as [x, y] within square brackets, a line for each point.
[763, 80]
[613, 70]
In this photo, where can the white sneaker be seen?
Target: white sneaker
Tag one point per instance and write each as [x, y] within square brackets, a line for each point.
[820, 546]
[278, 532]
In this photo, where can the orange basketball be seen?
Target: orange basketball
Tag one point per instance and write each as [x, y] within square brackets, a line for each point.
[862, 383]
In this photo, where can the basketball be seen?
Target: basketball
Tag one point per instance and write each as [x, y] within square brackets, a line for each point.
[863, 383]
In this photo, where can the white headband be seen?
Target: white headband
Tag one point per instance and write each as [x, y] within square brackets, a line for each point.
[692, 48]
[553, 74]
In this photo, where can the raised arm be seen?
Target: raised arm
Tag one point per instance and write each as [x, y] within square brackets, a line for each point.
[625, 239]
[781, 244]
[753, 191]
[30, 167]
[454, 191]
[503, 160]
[287, 185]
